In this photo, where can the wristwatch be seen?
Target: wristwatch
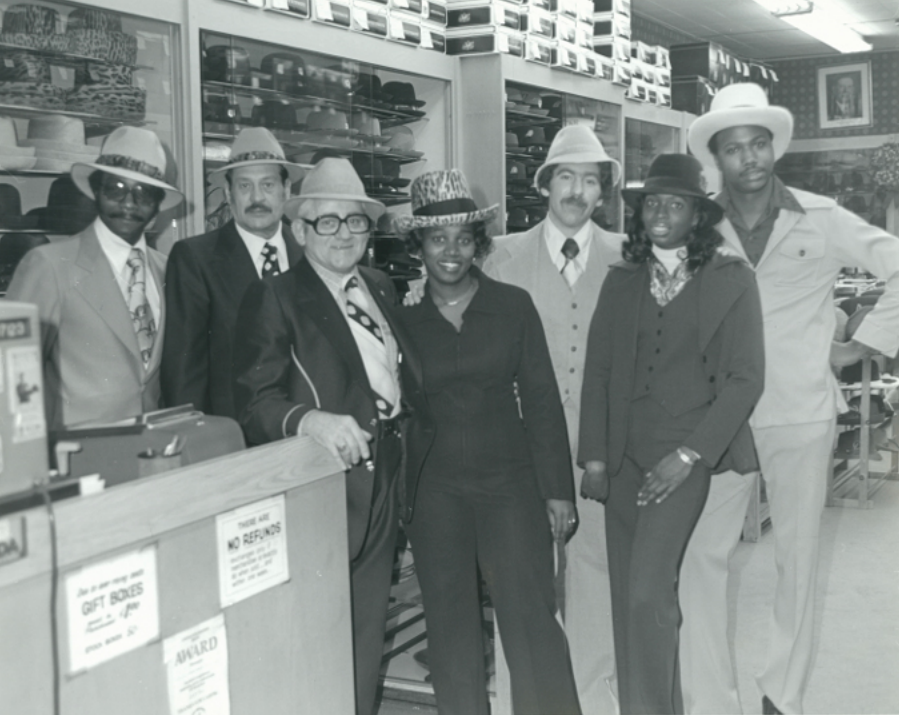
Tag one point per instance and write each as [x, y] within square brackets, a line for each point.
[686, 457]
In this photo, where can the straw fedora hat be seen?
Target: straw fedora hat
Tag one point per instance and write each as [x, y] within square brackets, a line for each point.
[577, 144]
[131, 153]
[254, 146]
[333, 179]
[442, 198]
[744, 104]
[678, 175]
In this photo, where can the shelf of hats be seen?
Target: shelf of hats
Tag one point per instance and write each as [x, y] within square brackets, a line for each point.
[391, 125]
[69, 75]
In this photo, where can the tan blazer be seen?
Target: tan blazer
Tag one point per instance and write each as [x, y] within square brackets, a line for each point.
[796, 276]
[92, 366]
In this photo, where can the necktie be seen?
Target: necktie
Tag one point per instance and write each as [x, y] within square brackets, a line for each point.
[571, 271]
[370, 340]
[270, 265]
[141, 315]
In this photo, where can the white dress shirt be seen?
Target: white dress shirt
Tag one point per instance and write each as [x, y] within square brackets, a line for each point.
[255, 244]
[117, 251]
[555, 238]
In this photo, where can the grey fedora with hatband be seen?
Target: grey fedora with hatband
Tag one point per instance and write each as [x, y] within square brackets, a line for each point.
[254, 146]
[577, 144]
[333, 179]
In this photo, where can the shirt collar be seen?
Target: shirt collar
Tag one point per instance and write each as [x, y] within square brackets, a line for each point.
[555, 238]
[256, 243]
[781, 198]
[335, 281]
[116, 248]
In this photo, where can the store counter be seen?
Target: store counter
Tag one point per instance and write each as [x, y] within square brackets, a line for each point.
[222, 584]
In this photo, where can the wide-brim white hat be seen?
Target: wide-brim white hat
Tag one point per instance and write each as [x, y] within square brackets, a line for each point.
[577, 144]
[254, 146]
[132, 153]
[744, 104]
[442, 198]
[333, 179]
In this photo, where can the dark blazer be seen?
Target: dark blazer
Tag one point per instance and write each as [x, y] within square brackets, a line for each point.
[206, 279]
[731, 343]
[295, 353]
[502, 347]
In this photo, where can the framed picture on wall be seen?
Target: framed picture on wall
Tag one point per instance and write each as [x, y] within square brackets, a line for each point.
[844, 96]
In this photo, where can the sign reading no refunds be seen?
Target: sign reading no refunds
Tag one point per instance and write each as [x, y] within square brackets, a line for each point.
[252, 549]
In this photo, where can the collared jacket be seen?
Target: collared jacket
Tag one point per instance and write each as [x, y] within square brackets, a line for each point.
[796, 276]
[732, 348]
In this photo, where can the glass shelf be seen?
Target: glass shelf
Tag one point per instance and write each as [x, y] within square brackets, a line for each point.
[66, 57]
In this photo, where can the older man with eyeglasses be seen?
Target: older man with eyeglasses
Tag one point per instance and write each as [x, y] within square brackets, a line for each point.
[318, 354]
[99, 293]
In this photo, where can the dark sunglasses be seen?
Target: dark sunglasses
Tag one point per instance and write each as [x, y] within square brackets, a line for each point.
[141, 194]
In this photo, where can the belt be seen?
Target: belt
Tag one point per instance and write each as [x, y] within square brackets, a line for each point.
[391, 427]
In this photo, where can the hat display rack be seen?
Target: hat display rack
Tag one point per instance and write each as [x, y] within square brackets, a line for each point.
[318, 106]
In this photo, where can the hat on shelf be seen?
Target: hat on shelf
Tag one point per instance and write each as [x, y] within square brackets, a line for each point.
[29, 25]
[514, 100]
[288, 71]
[368, 125]
[516, 172]
[401, 139]
[98, 33]
[12, 156]
[517, 219]
[534, 103]
[59, 142]
[533, 138]
[333, 179]
[131, 153]
[678, 175]
[367, 89]
[275, 114]
[11, 210]
[402, 95]
[328, 120]
[226, 63]
[577, 144]
[442, 198]
[254, 146]
[740, 105]
[68, 209]
[13, 247]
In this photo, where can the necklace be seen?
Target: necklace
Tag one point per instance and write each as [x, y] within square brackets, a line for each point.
[471, 289]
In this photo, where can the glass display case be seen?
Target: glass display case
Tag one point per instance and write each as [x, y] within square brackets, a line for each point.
[532, 117]
[643, 142]
[391, 125]
[69, 75]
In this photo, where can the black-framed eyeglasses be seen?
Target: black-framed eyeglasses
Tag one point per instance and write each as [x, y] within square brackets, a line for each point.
[329, 224]
[141, 194]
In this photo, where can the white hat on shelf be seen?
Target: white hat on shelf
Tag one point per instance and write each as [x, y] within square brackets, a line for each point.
[59, 142]
[12, 156]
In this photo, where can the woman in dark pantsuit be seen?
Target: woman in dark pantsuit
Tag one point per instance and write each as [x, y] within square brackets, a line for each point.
[496, 486]
[674, 366]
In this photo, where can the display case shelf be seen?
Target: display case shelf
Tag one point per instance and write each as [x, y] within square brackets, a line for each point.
[60, 57]
[91, 121]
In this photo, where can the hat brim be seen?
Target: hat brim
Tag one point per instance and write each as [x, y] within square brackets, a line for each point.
[80, 174]
[777, 120]
[373, 208]
[409, 222]
[581, 158]
[295, 172]
[632, 196]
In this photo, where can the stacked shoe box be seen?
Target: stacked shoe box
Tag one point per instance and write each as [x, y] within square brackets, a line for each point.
[612, 36]
[699, 70]
[484, 27]
[573, 48]
[404, 21]
[433, 25]
[370, 17]
[650, 74]
[540, 31]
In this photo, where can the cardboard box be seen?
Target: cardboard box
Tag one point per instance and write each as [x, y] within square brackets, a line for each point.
[663, 96]
[369, 17]
[402, 27]
[300, 8]
[643, 52]
[332, 12]
[566, 28]
[483, 13]
[692, 94]
[538, 49]
[538, 22]
[434, 12]
[622, 7]
[412, 7]
[485, 39]
[604, 66]
[564, 56]
[433, 37]
[568, 8]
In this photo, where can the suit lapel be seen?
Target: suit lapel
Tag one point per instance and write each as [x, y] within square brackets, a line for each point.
[156, 265]
[716, 297]
[294, 249]
[99, 288]
[322, 309]
[631, 303]
[233, 264]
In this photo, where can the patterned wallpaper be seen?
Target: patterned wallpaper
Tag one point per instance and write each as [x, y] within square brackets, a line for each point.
[798, 92]
[654, 33]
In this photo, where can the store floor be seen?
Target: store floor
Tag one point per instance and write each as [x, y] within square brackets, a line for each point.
[856, 669]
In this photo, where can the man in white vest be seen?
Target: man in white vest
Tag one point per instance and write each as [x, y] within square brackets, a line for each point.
[562, 262]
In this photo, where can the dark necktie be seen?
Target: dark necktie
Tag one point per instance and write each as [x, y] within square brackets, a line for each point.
[270, 265]
[571, 271]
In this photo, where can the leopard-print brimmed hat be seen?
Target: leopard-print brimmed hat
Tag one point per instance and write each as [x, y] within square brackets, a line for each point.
[442, 198]
[132, 153]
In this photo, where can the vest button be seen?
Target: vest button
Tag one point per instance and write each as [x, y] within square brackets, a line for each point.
[658, 350]
[574, 305]
[574, 327]
[574, 348]
[659, 331]
[649, 368]
[712, 378]
[571, 369]
[661, 313]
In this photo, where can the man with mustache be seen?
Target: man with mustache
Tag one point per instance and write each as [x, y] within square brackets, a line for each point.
[99, 293]
[208, 275]
[562, 262]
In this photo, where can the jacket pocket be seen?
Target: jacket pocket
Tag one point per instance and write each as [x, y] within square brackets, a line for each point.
[800, 261]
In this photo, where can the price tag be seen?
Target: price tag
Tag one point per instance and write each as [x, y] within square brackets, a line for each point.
[9, 63]
[166, 86]
[280, 5]
[141, 82]
[141, 42]
[502, 42]
[255, 3]
[323, 10]
[401, 3]
[279, 68]
[361, 18]
[426, 40]
[396, 27]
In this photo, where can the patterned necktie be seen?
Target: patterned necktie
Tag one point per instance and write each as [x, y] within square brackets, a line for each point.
[138, 305]
[370, 341]
[270, 266]
[571, 271]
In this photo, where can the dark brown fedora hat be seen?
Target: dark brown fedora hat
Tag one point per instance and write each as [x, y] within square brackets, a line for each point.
[678, 175]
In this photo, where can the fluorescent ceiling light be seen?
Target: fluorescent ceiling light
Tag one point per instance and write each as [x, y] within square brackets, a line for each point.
[820, 23]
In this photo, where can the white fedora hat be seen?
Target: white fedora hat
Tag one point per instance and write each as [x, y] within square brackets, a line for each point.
[744, 104]
[132, 153]
[333, 179]
[254, 146]
[577, 144]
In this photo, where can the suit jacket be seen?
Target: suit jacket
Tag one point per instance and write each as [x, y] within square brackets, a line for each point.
[732, 347]
[296, 353]
[796, 276]
[92, 366]
[206, 279]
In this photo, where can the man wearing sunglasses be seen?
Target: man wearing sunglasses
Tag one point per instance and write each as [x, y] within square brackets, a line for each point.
[207, 275]
[317, 353]
[99, 293]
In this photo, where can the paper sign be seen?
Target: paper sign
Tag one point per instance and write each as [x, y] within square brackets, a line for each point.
[196, 663]
[112, 608]
[26, 399]
[252, 549]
